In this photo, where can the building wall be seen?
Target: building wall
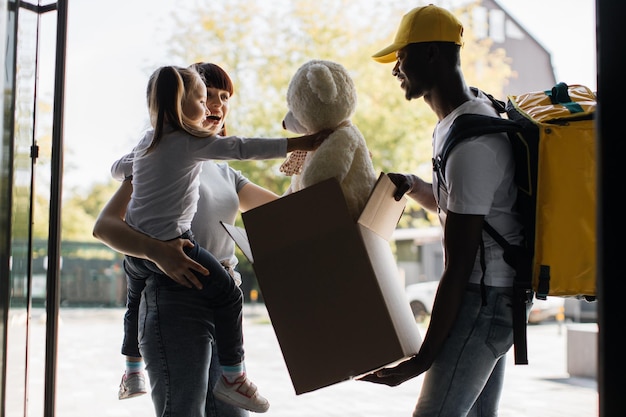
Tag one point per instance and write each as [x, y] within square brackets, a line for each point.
[531, 62]
[419, 254]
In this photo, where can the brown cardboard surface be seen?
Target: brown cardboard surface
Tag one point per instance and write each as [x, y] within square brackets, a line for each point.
[330, 285]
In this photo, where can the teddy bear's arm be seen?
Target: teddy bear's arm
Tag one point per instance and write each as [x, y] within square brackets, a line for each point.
[332, 159]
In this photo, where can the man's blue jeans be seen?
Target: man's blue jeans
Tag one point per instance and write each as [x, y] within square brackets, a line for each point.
[467, 376]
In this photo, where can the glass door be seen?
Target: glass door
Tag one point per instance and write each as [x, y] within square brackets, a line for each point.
[27, 160]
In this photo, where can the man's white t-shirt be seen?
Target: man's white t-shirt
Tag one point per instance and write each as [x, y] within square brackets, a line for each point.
[479, 179]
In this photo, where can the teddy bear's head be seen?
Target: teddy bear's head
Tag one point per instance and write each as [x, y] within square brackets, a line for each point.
[321, 95]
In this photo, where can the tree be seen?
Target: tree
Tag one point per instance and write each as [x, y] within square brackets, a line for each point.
[80, 211]
[261, 45]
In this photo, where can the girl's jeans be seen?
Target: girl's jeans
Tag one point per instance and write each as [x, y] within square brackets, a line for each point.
[467, 377]
[219, 292]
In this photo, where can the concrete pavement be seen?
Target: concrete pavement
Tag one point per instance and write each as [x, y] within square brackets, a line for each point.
[90, 367]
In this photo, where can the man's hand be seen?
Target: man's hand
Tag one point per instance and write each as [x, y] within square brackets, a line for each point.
[403, 183]
[170, 257]
[397, 375]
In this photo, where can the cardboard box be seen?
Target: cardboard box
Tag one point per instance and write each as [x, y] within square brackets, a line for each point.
[330, 285]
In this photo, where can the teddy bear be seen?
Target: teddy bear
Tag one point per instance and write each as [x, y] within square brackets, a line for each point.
[321, 95]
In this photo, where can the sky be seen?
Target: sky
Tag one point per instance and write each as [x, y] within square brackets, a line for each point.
[110, 46]
[567, 29]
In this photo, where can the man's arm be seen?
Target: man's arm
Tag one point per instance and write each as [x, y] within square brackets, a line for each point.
[416, 188]
[111, 229]
[462, 236]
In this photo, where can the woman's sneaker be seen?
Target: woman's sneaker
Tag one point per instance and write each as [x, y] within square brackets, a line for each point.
[241, 393]
[132, 385]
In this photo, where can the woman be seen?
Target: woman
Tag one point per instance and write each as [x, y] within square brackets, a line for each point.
[186, 336]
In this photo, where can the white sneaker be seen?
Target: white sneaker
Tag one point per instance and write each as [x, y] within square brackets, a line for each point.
[241, 393]
[132, 385]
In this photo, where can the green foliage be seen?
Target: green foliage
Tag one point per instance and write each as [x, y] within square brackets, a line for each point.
[80, 211]
[261, 45]
[285, 35]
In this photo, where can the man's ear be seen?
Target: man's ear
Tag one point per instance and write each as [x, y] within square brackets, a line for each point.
[432, 52]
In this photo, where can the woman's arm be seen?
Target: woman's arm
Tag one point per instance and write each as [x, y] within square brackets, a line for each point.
[252, 195]
[111, 229]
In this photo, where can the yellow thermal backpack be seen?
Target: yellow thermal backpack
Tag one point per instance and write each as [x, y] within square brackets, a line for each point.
[552, 134]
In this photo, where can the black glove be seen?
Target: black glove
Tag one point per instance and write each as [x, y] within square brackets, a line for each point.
[402, 182]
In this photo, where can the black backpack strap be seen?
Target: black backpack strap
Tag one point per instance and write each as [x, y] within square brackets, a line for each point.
[499, 105]
[518, 258]
[467, 126]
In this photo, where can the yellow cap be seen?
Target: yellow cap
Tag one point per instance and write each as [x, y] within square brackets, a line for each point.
[423, 24]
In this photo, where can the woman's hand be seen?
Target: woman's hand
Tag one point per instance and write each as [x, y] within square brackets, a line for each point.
[111, 229]
[170, 257]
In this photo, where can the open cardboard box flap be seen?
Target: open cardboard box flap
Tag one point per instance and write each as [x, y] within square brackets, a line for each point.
[330, 284]
[382, 212]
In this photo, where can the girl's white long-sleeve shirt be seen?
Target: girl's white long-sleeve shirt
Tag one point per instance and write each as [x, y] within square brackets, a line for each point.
[166, 180]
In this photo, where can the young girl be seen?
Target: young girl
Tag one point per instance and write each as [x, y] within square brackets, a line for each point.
[165, 170]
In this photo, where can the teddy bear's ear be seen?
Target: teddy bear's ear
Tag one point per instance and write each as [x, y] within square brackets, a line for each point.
[322, 83]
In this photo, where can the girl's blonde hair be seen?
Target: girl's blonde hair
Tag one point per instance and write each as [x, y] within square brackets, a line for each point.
[168, 87]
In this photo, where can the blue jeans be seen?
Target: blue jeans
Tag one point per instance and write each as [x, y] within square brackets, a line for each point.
[135, 284]
[175, 329]
[219, 291]
[176, 337]
[467, 376]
